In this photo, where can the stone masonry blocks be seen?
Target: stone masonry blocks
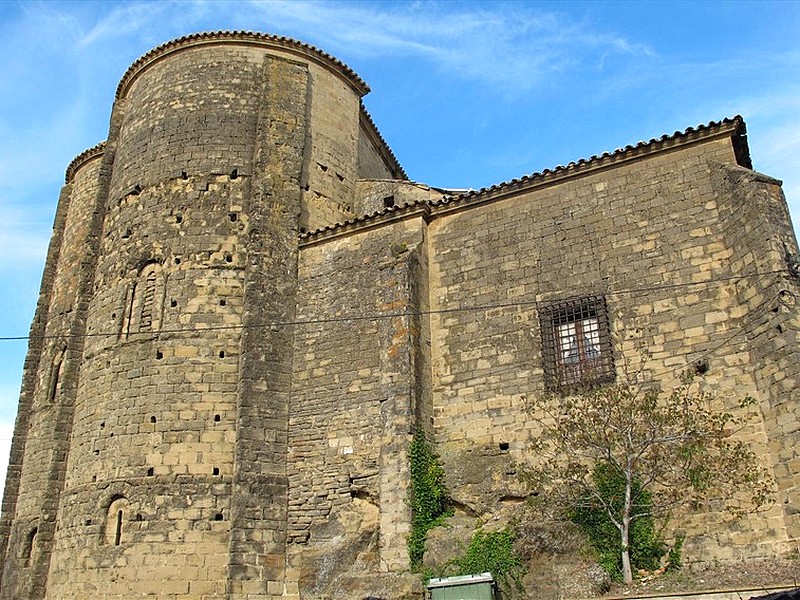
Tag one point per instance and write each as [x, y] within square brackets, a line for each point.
[247, 311]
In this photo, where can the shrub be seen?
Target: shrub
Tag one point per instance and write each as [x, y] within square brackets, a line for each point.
[493, 552]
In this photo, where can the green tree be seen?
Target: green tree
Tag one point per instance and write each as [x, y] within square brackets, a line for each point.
[645, 543]
[668, 450]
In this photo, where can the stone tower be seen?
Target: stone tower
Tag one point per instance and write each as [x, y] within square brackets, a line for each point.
[247, 310]
[153, 417]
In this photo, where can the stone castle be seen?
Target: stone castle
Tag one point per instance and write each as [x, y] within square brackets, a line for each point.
[248, 308]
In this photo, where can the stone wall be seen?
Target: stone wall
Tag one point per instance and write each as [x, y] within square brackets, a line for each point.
[44, 423]
[376, 195]
[247, 310]
[353, 407]
[654, 237]
[153, 425]
[651, 238]
[758, 229]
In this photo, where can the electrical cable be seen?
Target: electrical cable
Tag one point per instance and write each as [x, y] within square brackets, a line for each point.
[390, 315]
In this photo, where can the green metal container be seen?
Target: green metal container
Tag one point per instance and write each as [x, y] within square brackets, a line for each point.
[463, 587]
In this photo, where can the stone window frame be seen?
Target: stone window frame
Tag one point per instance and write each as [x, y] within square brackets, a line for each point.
[56, 374]
[116, 514]
[577, 349]
[144, 300]
[28, 552]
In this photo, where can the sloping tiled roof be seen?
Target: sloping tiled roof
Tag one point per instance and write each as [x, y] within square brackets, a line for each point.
[377, 218]
[733, 127]
[388, 155]
[729, 127]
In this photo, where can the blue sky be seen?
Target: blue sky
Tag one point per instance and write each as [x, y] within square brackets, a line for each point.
[468, 94]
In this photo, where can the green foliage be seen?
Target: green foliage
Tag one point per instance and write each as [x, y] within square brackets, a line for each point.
[493, 551]
[672, 449]
[646, 546]
[677, 442]
[674, 558]
[398, 248]
[428, 496]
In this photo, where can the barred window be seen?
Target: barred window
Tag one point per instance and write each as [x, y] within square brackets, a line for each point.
[576, 344]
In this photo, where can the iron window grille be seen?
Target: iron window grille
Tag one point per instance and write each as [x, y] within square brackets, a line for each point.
[576, 344]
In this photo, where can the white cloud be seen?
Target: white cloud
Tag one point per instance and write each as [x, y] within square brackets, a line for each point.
[124, 19]
[514, 46]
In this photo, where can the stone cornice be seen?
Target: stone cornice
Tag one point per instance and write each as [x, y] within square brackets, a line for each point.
[82, 158]
[246, 38]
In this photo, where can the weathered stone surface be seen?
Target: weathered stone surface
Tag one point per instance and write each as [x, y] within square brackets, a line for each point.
[247, 311]
[483, 482]
[448, 541]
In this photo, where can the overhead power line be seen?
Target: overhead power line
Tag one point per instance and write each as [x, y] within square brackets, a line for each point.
[393, 315]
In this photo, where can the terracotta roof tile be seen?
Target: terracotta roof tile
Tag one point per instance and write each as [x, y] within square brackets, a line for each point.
[247, 37]
[82, 158]
[734, 127]
[399, 171]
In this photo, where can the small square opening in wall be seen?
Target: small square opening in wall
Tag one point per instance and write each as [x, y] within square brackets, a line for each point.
[576, 344]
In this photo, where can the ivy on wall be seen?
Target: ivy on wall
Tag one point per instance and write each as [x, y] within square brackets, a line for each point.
[428, 496]
[493, 552]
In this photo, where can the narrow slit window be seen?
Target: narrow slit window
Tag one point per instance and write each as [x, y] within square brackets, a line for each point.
[115, 521]
[148, 299]
[29, 548]
[56, 372]
[118, 528]
[129, 313]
